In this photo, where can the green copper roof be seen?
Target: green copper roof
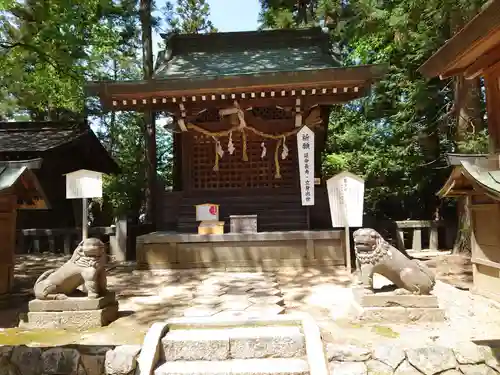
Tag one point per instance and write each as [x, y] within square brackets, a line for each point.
[9, 176]
[244, 53]
[489, 180]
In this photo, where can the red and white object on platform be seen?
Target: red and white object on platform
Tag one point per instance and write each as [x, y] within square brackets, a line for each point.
[207, 212]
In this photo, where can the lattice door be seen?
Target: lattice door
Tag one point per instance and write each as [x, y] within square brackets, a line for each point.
[234, 173]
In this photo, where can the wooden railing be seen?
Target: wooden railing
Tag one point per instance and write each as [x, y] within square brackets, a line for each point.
[415, 228]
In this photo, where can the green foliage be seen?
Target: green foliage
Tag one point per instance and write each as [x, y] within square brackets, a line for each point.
[49, 49]
[188, 17]
[396, 137]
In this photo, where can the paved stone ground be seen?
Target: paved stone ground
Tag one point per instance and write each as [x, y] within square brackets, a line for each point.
[146, 297]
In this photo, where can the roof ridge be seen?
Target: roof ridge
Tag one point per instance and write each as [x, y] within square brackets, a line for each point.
[42, 126]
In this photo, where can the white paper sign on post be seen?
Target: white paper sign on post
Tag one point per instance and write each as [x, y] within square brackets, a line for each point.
[83, 184]
[305, 147]
[346, 196]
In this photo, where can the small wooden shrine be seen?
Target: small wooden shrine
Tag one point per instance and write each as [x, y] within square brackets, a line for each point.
[238, 100]
[58, 148]
[475, 52]
[19, 188]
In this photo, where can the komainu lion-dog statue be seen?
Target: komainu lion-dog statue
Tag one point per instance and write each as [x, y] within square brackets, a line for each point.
[375, 255]
[85, 268]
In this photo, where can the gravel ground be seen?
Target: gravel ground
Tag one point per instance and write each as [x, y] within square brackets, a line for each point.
[324, 293]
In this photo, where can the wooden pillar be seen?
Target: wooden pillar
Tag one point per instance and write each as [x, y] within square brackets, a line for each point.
[492, 85]
[7, 240]
[149, 115]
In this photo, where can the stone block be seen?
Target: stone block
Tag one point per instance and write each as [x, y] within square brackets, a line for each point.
[60, 361]
[268, 300]
[348, 368]
[201, 310]
[122, 360]
[265, 366]
[266, 342]
[238, 305]
[393, 300]
[379, 368]
[265, 310]
[230, 314]
[92, 364]
[72, 303]
[432, 360]
[404, 315]
[347, 353]
[468, 353]
[82, 320]
[28, 360]
[196, 345]
[406, 369]
[479, 369]
[391, 355]
[266, 292]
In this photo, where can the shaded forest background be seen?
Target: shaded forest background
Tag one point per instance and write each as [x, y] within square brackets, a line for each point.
[396, 138]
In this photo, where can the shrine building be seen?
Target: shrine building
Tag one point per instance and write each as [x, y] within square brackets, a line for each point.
[238, 100]
[474, 52]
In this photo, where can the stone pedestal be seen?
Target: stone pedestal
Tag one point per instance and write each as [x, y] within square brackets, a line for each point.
[243, 223]
[389, 307]
[74, 312]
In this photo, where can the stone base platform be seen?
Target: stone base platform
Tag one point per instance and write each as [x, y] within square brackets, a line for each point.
[249, 251]
[396, 308]
[73, 313]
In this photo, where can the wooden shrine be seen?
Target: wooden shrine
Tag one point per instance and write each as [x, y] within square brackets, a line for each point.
[19, 188]
[475, 52]
[238, 101]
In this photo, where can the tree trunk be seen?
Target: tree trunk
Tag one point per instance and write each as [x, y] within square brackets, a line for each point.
[469, 119]
[149, 118]
[462, 243]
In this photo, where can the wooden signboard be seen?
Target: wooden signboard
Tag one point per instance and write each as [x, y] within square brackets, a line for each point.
[83, 184]
[207, 212]
[305, 148]
[346, 197]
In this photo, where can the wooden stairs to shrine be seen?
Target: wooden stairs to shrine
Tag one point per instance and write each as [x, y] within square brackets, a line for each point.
[275, 212]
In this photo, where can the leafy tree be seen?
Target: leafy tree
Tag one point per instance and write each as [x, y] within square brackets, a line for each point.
[188, 17]
[397, 136]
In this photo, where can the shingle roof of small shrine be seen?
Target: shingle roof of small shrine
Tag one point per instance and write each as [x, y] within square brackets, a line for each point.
[35, 139]
[28, 136]
[243, 53]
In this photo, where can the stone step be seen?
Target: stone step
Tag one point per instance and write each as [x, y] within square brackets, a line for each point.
[234, 343]
[236, 366]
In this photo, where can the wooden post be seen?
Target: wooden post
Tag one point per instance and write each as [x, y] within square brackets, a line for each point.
[348, 265]
[492, 86]
[85, 229]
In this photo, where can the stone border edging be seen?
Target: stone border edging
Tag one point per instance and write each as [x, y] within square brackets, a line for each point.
[390, 358]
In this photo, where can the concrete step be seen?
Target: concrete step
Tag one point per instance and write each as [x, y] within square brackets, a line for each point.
[236, 366]
[234, 343]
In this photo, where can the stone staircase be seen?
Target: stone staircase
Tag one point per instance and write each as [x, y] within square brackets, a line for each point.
[276, 346]
[245, 350]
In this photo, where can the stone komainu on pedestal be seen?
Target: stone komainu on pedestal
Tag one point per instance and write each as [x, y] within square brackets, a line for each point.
[86, 267]
[375, 255]
[58, 306]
